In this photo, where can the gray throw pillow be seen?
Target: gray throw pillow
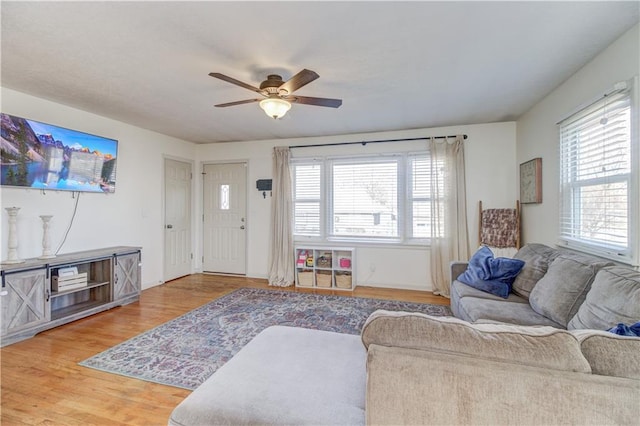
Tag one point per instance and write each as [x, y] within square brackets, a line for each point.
[537, 258]
[559, 294]
[614, 298]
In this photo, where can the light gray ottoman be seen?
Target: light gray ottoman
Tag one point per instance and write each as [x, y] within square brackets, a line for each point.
[285, 375]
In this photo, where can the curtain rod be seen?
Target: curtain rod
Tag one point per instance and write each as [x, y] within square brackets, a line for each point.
[378, 141]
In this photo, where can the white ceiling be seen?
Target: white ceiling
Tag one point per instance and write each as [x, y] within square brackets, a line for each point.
[396, 65]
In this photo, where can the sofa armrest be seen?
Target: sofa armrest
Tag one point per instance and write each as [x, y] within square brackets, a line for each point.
[610, 354]
[539, 346]
[455, 269]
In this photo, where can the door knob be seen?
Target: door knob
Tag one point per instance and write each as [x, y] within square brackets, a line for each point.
[242, 227]
[169, 226]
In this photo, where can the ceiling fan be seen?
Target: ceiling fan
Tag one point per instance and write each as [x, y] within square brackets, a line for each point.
[277, 95]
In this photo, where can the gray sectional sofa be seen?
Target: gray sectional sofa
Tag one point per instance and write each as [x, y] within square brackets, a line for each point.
[414, 369]
[557, 288]
[411, 368]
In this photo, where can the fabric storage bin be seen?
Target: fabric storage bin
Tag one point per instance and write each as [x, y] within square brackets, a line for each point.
[324, 262]
[323, 279]
[343, 280]
[305, 278]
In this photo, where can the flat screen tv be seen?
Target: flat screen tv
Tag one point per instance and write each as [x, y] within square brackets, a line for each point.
[43, 156]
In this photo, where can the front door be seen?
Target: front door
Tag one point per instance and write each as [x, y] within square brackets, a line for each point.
[177, 212]
[225, 205]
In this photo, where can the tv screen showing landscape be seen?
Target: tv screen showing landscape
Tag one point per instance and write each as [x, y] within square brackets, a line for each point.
[43, 156]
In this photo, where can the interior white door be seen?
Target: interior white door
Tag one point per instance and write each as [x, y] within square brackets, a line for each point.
[225, 205]
[177, 213]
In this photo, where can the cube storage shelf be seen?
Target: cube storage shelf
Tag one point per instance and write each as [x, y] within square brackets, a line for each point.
[40, 294]
[325, 267]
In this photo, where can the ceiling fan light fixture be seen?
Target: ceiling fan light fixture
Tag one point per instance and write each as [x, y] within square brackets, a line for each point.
[275, 107]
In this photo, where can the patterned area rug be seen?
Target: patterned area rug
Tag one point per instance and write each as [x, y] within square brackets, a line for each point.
[185, 351]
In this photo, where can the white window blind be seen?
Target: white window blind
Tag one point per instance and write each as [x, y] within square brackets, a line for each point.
[365, 199]
[306, 199]
[420, 185]
[596, 178]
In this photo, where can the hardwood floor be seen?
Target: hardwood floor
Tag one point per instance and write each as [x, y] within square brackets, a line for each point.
[42, 383]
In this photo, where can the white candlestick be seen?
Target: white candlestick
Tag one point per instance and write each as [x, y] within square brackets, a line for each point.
[46, 245]
[12, 254]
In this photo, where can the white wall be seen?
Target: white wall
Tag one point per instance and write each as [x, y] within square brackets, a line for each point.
[537, 134]
[491, 177]
[131, 216]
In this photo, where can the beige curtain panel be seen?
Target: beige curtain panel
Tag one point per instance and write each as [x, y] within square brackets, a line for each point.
[449, 231]
[281, 256]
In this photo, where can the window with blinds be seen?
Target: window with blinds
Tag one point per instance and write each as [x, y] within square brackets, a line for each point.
[364, 199]
[420, 185]
[383, 198]
[306, 198]
[596, 178]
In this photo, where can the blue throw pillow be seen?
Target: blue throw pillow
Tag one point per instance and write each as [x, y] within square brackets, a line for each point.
[626, 330]
[493, 275]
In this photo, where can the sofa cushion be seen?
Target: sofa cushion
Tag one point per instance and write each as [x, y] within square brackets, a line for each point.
[491, 274]
[559, 294]
[460, 290]
[614, 298]
[546, 347]
[610, 354]
[537, 258]
[475, 309]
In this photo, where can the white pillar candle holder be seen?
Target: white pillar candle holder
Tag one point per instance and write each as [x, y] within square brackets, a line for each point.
[12, 253]
[46, 245]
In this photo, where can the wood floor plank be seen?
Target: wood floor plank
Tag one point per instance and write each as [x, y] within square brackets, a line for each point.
[42, 383]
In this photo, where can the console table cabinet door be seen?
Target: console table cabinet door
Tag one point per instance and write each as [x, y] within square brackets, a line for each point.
[24, 300]
[127, 276]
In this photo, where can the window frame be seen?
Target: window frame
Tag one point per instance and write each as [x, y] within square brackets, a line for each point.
[570, 186]
[411, 198]
[295, 200]
[330, 197]
[404, 202]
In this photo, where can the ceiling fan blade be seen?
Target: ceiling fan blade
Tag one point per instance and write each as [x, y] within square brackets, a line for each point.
[236, 82]
[307, 100]
[303, 78]
[248, 101]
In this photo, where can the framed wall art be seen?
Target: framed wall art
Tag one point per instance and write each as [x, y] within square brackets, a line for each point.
[531, 181]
